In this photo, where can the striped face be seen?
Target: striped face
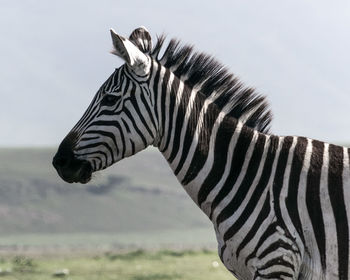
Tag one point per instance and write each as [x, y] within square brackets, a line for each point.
[119, 122]
[114, 126]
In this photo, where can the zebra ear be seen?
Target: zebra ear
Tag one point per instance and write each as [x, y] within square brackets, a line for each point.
[135, 59]
[142, 39]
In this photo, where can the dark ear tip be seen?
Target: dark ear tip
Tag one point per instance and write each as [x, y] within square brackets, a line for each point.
[115, 35]
[144, 29]
[112, 31]
[142, 39]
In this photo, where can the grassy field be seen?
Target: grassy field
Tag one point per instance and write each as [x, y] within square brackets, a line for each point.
[134, 265]
[47, 225]
[131, 205]
[35, 244]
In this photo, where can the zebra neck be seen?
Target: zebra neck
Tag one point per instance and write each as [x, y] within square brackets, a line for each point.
[219, 164]
[206, 149]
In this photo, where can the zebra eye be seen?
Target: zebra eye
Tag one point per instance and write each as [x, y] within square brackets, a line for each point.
[109, 100]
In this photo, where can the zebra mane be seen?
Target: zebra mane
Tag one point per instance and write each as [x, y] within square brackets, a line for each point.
[203, 71]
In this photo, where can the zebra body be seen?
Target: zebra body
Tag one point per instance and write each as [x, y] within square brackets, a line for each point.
[278, 204]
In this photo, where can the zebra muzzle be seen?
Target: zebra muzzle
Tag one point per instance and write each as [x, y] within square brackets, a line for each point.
[70, 168]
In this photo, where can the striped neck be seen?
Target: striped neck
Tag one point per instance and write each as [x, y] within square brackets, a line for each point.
[207, 149]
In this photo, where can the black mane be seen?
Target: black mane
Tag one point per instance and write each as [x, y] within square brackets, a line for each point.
[200, 70]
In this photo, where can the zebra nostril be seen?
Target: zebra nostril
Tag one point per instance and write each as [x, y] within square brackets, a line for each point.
[60, 162]
[64, 156]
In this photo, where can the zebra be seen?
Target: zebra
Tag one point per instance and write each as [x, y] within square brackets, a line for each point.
[277, 203]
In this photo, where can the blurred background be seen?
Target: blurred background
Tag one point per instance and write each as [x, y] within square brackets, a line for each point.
[55, 56]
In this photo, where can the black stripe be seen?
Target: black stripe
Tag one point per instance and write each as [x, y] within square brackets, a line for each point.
[109, 112]
[93, 164]
[279, 176]
[155, 90]
[172, 95]
[221, 253]
[336, 195]
[96, 152]
[127, 112]
[148, 82]
[88, 138]
[274, 275]
[132, 146]
[192, 122]
[273, 247]
[278, 183]
[163, 96]
[148, 109]
[277, 261]
[313, 201]
[264, 213]
[247, 181]
[222, 141]
[94, 106]
[99, 152]
[280, 171]
[100, 166]
[260, 188]
[201, 152]
[126, 126]
[134, 101]
[180, 121]
[237, 163]
[94, 145]
[292, 198]
[267, 233]
[104, 134]
[122, 138]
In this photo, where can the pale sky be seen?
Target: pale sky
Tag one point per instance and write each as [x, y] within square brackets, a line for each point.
[55, 55]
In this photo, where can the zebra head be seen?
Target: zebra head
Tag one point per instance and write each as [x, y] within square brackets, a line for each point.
[120, 120]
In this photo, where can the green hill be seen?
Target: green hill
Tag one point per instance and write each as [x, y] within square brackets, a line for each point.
[137, 201]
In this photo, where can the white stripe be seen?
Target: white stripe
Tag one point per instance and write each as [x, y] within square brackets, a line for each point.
[159, 96]
[231, 220]
[166, 109]
[346, 186]
[284, 194]
[328, 217]
[226, 224]
[240, 178]
[195, 140]
[206, 205]
[190, 105]
[178, 97]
